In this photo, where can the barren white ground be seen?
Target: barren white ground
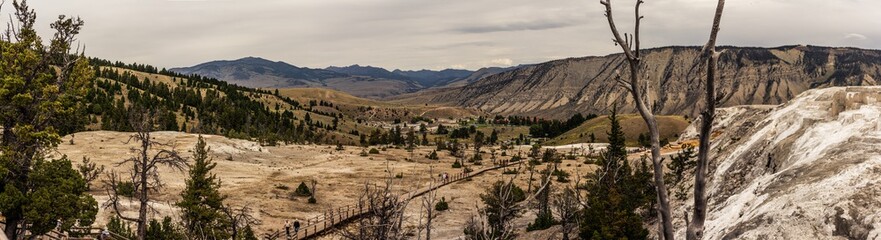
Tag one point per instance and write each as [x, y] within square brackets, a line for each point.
[808, 169]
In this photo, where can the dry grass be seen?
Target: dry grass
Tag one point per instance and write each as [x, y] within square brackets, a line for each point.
[251, 173]
[633, 125]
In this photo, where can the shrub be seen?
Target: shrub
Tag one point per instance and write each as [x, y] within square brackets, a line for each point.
[442, 205]
[282, 187]
[457, 164]
[126, 189]
[374, 151]
[303, 190]
[312, 200]
[541, 224]
[562, 176]
[534, 162]
[399, 175]
[363, 153]
[433, 155]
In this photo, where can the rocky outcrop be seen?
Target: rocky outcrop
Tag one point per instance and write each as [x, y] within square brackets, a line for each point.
[807, 169]
[674, 75]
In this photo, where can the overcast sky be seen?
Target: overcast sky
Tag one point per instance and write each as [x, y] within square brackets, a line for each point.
[437, 34]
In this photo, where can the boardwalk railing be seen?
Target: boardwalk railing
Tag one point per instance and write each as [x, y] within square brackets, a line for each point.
[331, 218]
[84, 233]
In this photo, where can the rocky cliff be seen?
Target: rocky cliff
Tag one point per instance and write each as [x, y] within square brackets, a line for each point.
[807, 169]
[674, 75]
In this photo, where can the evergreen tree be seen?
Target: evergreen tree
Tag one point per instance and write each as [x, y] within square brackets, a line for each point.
[544, 219]
[248, 234]
[201, 203]
[40, 100]
[494, 137]
[616, 193]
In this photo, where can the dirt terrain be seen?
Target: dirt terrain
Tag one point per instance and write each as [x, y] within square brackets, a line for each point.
[263, 178]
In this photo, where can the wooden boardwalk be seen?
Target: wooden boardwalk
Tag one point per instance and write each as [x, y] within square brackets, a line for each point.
[330, 219]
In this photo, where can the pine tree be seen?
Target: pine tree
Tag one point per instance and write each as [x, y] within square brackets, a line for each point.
[201, 202]
[41, 97]
[616, 192]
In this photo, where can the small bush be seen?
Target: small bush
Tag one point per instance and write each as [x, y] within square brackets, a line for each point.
[467, 170]
[562, 176]
[457, 164]
[126, 189]
[534, 162]
[374, 151]
[515, 158]
[399, 175]
[303, 190]
[442, 205]
[433, 155]
[363, 153]
[541, 223]
[282, 187]
[312, 200]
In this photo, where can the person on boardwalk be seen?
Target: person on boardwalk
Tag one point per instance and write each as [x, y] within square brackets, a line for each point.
[296, 227]
[287, 228]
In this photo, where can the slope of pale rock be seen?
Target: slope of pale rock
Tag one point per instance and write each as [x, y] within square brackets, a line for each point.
[807, 169]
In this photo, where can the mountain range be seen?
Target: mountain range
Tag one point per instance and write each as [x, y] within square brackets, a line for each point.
[675, 76]
[561, 88]
[362, 81]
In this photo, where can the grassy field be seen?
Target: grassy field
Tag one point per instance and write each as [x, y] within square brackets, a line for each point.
[378, 110]
[670, 127]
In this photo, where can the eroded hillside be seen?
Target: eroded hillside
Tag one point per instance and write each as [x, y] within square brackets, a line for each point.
[747, 76]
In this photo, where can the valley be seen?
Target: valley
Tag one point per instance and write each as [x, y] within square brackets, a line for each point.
[479, 120]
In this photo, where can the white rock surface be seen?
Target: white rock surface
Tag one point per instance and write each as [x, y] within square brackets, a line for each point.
[808, 169]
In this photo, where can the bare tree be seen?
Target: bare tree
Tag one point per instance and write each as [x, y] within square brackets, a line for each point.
[384, 218]
[239, 218]
[429, 199]
[696, 226]
[144, 170]
[566, 207]
[630, 45]
[90, 171]
[502, 204]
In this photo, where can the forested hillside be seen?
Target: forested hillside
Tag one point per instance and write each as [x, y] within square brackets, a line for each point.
[192, 103]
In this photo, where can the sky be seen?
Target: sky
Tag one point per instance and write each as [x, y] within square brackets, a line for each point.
[437, 34]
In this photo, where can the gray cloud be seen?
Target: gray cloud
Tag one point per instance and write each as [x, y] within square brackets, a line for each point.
[434, 34]
[543, 24]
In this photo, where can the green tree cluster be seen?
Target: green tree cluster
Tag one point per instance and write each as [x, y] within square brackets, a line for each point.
[620, 195]
[40, 100]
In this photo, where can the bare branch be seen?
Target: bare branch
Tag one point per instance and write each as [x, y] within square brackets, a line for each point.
[695, 230]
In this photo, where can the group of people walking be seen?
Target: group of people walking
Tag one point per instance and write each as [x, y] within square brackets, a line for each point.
[288, 226]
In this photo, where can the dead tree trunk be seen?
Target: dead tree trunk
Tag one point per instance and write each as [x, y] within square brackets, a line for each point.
[695, 229]
[630, 45]
[144, 172]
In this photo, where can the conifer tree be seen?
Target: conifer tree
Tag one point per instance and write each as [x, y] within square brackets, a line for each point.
[201, 202]
[616, 192]
[40, 100]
